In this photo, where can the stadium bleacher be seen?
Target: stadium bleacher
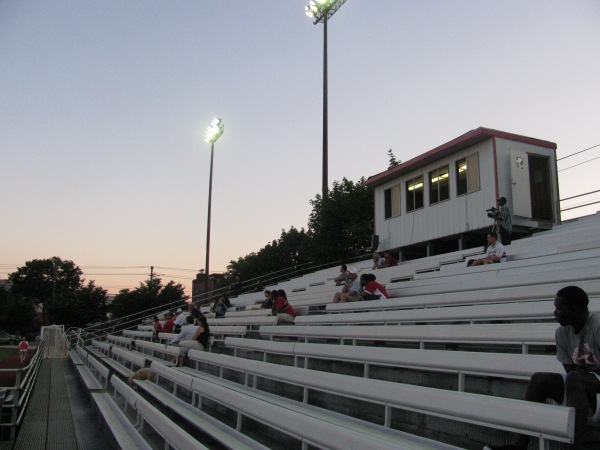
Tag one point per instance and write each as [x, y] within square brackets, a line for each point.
[442, 364]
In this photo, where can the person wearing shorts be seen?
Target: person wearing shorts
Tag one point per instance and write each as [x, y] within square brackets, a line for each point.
[23, 346]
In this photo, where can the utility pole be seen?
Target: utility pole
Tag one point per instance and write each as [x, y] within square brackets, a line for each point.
[151, 273]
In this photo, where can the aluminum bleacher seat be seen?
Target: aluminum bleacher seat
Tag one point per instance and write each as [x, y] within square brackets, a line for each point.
[310, 425]
[522, 335]
[495, 365]
[548, 422]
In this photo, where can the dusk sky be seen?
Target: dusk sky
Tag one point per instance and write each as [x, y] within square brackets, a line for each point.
[103, 106]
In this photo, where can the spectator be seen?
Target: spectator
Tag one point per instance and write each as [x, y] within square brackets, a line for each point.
[372, 290]
[237, 286]
[23, 347]
[259, 286]
[504, 222]
[156, 328]
[494, 252]
[195, 312]
[179, 320]
[169, 325]
[282, 308]
[342, 277]
[578, 349]
[389, 260]
[378, 261]
[192, 337]
[267, 302]
[351, 288]
[220, 306]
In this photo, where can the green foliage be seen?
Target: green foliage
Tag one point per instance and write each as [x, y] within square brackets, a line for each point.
[337, 228]
[42, 279]
[16, 312]
[57, 286]
[149, 294]
[392, 158]
[81, 307]
[291, 249]
[341, 224]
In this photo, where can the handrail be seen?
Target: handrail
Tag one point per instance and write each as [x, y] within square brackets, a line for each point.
[22, 389]
[85, 335]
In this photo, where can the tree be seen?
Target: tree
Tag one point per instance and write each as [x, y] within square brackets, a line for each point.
[148, 295]
[290, 250]
[341, 224]
[57, 286]
[16, 313]
[81, 307]
[393, 162]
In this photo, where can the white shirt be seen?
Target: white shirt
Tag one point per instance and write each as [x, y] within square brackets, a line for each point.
[495, 250]
[187, 333]
[179, 320]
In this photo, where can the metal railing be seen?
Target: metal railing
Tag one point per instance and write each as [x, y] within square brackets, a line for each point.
[84, 336]
[17, 396]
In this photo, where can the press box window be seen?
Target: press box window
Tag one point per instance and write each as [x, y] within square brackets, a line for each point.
[392, 202]
[414, 194]
[467, 174]
[439, 185]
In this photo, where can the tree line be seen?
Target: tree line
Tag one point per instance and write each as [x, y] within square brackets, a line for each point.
[340, 226]
[53, 291]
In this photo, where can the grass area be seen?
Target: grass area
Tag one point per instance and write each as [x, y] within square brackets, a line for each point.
[5, 353]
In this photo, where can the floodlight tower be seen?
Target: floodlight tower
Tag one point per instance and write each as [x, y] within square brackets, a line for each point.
[212, 134]
[321, 11]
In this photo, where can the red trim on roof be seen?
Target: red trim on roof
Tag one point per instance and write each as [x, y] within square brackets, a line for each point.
[466, 140]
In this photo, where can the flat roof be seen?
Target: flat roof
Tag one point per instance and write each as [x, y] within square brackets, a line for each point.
[466, 140]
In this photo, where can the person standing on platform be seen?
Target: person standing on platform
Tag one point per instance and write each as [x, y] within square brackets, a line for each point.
[504, 222]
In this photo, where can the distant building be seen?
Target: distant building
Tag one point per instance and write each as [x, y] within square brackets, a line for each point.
[437, 201]
[200, 292]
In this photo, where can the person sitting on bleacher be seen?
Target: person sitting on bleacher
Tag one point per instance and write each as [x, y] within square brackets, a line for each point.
[389, 260]
[494, 253]
[156, 328]
[179, 320]
[378, 261]
[282, 308]
[371, 289]
[169, 325]
[220, 306]
[578, 349]
[343, 276]
[351, 290]
[192, 336]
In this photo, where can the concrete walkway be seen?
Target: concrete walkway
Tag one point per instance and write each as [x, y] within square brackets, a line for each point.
[60, 414]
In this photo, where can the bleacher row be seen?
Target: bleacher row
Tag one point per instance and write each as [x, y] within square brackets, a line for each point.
[442, 364]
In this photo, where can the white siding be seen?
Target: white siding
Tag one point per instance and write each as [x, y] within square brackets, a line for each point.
[447, 218]
[503, 149]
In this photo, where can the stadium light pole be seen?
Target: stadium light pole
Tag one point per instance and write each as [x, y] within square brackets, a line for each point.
[212, 134]
[321, 11]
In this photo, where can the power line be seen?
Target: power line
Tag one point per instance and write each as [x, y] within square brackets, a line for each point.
[577, 153]
[575, 165]
[580, 206]
[580, 195]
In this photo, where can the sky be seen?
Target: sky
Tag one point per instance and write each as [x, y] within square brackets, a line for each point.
[103, 106]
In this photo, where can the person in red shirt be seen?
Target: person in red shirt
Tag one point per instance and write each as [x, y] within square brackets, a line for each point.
[169, 324]
[372, 290]
[282, 309]
[23, 346]
[390, 261]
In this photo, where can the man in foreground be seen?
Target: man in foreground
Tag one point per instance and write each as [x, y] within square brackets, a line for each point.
[578, 349]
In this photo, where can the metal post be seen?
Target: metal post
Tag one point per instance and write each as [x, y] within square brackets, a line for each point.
[325, 124]
[212, 153]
